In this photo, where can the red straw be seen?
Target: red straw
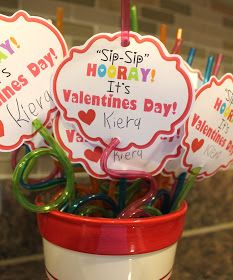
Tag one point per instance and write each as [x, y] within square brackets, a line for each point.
[125, 22]
[134, 208]
[178, 43]
[217, 64]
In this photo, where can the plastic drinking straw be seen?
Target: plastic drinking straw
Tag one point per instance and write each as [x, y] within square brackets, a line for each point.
[56, 152]
[178, 42]
[134, 207]
[122, 193]
[152, 210]
[81, 201]
[163, 34]
[36, 184]
[165, 195]
[208, 70]
[217, 64]
[178, 186]
[132, 190]
[42, 184]
[143, 213]
[134, 18]
[191, 56]
[125, 22]
[186, 188]
[59, 19]
[92, 209]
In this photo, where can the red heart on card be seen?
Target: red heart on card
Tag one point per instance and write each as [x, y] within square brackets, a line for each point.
[2, 133]
[94, 155]
[197, 144]
[87, 117]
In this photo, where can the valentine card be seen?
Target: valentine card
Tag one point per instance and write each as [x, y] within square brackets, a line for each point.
[151, 159]
[136, 93]
[79, 150]
[195, 77]
[30, 50]
[174, 167]
[209, 132]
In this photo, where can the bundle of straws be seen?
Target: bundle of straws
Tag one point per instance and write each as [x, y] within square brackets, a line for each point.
[141, 196]
[128, 193]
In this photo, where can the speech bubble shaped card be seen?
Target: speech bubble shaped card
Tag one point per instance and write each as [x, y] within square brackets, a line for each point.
[136, 93]
[79, 150]
[196, 77]
[209, 131]
[30, 50]
[174, 167]
[151, 159]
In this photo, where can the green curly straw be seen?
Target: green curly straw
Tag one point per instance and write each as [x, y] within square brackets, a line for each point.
[186, 188]
[54, 151]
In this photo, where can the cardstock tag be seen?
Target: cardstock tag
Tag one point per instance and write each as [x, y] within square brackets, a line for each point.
[209, 131]
[174, 167]
[195, 77]
[79, 150]
[30, 50]
[136, 93]
[151, 159]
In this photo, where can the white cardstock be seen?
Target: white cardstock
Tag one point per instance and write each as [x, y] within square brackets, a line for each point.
[30, 50]
[209, 131]
[136, 93]
[174, 167]
[151, 159]
[195, 77]
[79, 150]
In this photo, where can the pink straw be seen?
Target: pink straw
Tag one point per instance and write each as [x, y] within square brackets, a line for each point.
[125, 22]
[134, 208]
[177, 47]
[178, 43]
[217, 64]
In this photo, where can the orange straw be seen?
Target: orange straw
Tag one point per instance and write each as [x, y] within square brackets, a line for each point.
[59, 19]
[163, 34]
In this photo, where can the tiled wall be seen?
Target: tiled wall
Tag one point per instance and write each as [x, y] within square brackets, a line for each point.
[205, 251]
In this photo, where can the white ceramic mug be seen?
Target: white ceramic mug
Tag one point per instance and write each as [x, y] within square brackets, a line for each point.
[84, 248]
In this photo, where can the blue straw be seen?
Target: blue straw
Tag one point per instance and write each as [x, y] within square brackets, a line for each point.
[81, 201]
[122, 193]
[208, 71]
[179, 187]
[191, 56]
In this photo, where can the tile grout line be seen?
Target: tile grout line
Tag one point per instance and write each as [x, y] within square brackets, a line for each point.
[186, 234]
[208, 229]
[21, 260]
